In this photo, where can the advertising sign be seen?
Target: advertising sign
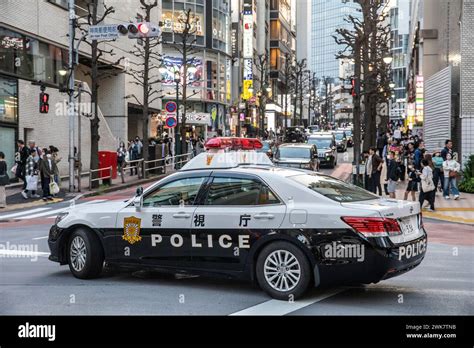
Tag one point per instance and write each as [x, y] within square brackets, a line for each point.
[174, 22]
[170, 64]
[246, 94]
[247, 35]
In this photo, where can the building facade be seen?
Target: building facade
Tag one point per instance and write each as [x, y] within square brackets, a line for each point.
[210, 69]
[33, 52]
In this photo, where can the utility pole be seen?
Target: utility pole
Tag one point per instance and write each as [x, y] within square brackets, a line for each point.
[357, 111]
[71, 106]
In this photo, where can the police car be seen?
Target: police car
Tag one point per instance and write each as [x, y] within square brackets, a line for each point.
[235, 214]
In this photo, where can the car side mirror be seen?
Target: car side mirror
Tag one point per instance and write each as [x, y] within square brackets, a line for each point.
[139, 191]
[138, 203]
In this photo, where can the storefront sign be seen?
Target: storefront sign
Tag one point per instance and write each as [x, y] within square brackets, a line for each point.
[198, 118]
[246, 95]
[234, 39]
[175, 21]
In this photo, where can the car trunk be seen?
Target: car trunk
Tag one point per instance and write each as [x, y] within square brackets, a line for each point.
[406, 213]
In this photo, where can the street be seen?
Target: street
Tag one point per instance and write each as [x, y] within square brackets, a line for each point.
[30, 284]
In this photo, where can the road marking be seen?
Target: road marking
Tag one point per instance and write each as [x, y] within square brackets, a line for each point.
[8, 216]
[60, 210]
[23, 253]
[38, 238]
[276, 307]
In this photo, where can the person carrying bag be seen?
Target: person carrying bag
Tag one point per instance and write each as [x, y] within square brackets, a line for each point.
[47, 169]
[427, 191]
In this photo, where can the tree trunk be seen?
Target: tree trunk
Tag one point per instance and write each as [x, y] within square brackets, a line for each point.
[95, 137]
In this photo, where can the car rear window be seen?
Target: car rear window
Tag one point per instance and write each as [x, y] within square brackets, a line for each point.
[334, 189]
[294, 152]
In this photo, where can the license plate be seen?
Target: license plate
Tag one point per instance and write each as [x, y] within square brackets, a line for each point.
[409, 225]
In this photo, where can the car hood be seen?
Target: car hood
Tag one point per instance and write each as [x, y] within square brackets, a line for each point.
[324, 150]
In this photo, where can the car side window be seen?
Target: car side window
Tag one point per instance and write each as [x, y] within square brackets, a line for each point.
[179, 192]
[239, 192]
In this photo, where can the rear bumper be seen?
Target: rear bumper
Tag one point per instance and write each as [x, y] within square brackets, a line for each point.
[379, 263]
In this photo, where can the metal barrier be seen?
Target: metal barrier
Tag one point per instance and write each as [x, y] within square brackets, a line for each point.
[99, 178]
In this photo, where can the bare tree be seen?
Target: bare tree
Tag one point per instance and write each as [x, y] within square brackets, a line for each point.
[100, 69]
[262, 66]
[299, 68]
[186, 47]
[145, 73]
[367, 42]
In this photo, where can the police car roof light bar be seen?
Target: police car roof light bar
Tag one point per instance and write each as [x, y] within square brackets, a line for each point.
[234, 143]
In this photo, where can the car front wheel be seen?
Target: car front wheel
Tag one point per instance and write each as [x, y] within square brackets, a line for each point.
[85, 254]
[283, 271]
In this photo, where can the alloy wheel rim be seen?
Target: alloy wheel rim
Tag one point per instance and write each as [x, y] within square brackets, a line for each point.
[282, 270]
[78, 253]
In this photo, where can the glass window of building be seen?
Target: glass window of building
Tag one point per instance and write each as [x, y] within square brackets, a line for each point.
[8, 118]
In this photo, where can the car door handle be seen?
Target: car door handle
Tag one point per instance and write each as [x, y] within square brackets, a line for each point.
[264, 216]
[181, 216]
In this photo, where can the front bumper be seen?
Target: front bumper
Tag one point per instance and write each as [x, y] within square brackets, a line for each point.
[380, 262]
[56, 245]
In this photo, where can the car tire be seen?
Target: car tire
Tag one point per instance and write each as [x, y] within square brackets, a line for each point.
[85, 254]
[294, 281]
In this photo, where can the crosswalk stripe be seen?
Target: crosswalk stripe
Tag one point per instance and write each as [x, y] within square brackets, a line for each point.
[57, 211]
[276, 307]
[9, 216]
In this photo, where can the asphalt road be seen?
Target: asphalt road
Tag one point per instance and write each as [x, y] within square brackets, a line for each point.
[442, 285]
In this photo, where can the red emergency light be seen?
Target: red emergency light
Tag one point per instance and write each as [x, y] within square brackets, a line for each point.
[234, 143]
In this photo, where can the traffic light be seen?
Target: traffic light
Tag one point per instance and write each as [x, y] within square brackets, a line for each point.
[143, 30]
[355, 90]
[44, 103]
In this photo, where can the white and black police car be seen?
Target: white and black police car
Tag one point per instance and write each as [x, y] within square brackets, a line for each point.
[234, 214]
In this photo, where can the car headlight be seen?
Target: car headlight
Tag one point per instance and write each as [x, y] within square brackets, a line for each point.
[60, 217]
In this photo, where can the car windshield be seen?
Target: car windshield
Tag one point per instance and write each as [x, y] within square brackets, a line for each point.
[334, 189]
[348, 133]
[320, 143]
[293, 152]
[339, 136]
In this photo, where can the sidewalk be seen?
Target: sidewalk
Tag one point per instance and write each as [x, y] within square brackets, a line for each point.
[16, 201]
[459, 211]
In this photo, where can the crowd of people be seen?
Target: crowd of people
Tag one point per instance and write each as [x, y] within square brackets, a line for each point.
[401, 157]
[36, 168]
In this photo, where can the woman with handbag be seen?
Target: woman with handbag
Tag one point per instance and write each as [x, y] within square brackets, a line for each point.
[31, 172]
[47, 169]
[4, 181]
[451, 169]
[427, 190]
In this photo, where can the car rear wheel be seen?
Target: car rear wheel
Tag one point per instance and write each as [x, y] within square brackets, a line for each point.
[85, 254]
[283, 271]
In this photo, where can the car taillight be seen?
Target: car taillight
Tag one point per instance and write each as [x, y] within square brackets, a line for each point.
[373, 226]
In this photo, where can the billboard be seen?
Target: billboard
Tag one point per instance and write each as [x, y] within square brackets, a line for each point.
[171, 64]
[173, 21]
[247, 36]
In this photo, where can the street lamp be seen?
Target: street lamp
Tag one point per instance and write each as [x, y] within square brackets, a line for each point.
[388, 59]
[62, 72]
[392, 85]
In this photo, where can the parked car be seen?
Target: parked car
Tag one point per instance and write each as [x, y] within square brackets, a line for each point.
[313, 129]
[303, 156]
[326, 145]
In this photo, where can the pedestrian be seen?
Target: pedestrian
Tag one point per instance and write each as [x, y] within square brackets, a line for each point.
[31, 174]
[451, 170]
[134, 150]
[381, 142]
[448, 148]
[412, 186]
[4, 180]
[56, 158]
[121, 157]
[418, 155]
[20, 159]
[48, 168]
[438, 173]
[383, 176]
[376, 170]
[368, 167]
[427, 188]
[393, 175]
